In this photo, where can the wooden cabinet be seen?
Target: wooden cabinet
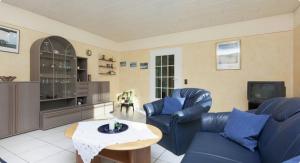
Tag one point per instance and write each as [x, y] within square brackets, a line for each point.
[95, 103]
[104, 90]
[19, 108]
[55, 118]
[98, 92]
[82, 89]
[6, 110]
[54, 64]
[27, 107]
[93, 93]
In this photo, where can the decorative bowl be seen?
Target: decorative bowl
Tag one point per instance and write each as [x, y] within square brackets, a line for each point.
[7, 78]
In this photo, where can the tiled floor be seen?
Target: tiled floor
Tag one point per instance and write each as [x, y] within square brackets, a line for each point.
[52, 147]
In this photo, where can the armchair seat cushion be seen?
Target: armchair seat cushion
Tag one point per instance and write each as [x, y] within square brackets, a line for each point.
[212, 147]
[160, 121]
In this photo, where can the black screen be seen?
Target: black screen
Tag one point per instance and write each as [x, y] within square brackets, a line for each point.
[265, 90]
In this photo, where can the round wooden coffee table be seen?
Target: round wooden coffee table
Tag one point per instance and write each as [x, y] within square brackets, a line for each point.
[133, 152]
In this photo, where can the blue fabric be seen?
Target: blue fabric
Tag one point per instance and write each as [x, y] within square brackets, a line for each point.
[244, 128]
[2, 161]
[172, 105]
[293, 160]
[208, 147]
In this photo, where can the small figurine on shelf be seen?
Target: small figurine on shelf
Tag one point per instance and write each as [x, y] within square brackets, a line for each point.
[103, 57]
[112, 72]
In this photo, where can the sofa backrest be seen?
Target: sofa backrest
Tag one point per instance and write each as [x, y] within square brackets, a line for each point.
[280, 138]
[194, 96]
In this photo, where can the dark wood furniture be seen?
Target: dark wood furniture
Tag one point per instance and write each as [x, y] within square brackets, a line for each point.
[53, 63]
[97, 106]
[82, 78]
[66, 96]
[127, 106]
[82, 67]
[20, 107]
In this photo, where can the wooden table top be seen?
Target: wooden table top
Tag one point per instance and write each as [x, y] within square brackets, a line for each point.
[126, 146]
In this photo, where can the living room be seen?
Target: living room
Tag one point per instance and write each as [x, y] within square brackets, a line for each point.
[71, 66]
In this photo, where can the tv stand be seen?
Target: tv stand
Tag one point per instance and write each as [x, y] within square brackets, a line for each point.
[254, 104]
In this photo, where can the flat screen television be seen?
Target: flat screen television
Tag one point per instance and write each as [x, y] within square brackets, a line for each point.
[263, 90]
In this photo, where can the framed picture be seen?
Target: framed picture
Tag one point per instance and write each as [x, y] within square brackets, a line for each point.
[133, 65]
[9, 39]
[144, 65]
[123, 64]
[228, 55]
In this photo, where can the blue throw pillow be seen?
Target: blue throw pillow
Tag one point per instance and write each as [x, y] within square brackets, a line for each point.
[172, 105]
[293, 160]
[244, 128]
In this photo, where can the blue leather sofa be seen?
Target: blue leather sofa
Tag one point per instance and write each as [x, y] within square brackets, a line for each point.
[179, 129]
[278, 141]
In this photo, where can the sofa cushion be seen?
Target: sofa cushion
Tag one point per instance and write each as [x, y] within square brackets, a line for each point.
[213, 148]
[193, 96]
[244, 128]
[172, 105]
[280, 138]
[293, 160]
[160, 121]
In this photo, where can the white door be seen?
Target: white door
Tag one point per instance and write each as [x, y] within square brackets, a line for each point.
[165, 72]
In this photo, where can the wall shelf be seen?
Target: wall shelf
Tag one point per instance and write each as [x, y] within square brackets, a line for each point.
[107, 67]
[82, 69]
[106, 60]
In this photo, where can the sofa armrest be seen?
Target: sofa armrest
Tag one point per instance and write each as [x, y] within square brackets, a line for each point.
[190, 114]
[154, 108]
[214, 122]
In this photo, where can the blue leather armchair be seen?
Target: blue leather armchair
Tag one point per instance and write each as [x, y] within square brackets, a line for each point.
[179, 129]
[279, 140]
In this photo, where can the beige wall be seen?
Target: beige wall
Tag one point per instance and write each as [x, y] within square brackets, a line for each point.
[18, 64]
[264, 57]
[297, 53]
[267, 54]
[296, 61]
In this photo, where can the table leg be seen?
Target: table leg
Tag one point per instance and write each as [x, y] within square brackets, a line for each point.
[140, 156]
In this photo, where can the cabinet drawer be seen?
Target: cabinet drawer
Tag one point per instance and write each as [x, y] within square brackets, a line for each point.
[82, 92]
[82, 85]
[87, 113]
[59, 118]
[82, 89]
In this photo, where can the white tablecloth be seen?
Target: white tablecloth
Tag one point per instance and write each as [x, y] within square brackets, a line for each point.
[89, 142]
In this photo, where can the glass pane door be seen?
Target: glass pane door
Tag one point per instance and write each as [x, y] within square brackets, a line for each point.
[64, 70]
[70, 70]
[46, 71]
[59, 75]
[164, 75]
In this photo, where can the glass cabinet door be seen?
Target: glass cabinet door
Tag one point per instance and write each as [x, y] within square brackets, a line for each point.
[70, 71]
[59, 75]
[46, 71]
[64, 71]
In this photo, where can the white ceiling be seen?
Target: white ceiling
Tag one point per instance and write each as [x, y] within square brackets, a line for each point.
[124, 20]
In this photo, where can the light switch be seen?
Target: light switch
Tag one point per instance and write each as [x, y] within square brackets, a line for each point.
[185, 81]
